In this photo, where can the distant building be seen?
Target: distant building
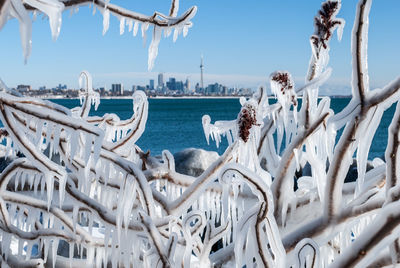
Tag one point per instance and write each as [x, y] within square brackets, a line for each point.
[117, 89]
[213, 89]
[102, 91]
[24, 88]
[151, 85]
[201, 73]
[225, 90]
[160, 80]
[179, 86]
[187, 86]
[245, 91]
[171, 84]
[61, 87]
[197, 88]
[140, 88]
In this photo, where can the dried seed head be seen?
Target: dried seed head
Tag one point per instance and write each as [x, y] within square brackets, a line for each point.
[283, 86]
[284, 80]
[325, 23]
[246, 120]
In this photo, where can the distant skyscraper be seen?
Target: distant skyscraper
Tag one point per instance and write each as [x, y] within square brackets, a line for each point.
[117, 89]
[187, 85]
[171, 84]
[160, 80]
[151, 83]
[201, 73]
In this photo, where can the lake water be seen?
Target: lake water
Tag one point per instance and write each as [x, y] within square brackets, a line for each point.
[175, 124]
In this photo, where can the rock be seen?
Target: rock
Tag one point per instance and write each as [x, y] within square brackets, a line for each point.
[351, 175]
[193, 161]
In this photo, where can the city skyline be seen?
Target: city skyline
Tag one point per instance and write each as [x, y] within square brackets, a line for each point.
[171, 84]
[172, 87]
[269, 36]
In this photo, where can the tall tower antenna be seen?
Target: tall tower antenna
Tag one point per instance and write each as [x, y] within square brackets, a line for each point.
[201, 73]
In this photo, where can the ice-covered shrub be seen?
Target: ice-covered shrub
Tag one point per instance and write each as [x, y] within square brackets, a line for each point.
[84, 194]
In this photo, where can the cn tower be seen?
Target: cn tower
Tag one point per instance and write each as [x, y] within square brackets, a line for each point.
[201, 73]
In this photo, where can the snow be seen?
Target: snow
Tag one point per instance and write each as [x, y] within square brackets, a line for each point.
[84, 181]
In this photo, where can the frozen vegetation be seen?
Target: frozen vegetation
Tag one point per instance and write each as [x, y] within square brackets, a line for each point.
[82, 194]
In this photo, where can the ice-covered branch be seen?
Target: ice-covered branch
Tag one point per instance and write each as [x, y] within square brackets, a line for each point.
[359, 50]
[284, 180]
[324, 23]
[199, 185]
[89, 97]
[277, 197]
[53, 9]
[392, 150]
[380, 233]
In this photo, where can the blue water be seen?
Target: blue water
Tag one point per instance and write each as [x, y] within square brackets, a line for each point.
[175, 124]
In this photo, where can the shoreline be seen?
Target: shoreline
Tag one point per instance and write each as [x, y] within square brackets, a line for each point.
[174, 97]
[148, 97]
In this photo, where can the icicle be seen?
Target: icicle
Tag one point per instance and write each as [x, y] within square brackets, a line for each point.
[176, 33]
[130, 25]
[25, 26]
[122, 25]
[54, 251]
[88, 148]
[46, 246]
[90, 224]
[53, 10]
[39, 133]
[75, 216]
[296, 155]
[340, 28]
[74, 142]
[373, 119]
[20, 246]
[23, 179]
[42, 185]
[16, 179]
[5, 245]
[90, 251]
[145, 27]
[167, 32]
[49, 184]
[106, 20]
[29, 250]
[135, 28]
[71, 251]
[114, 248]
[36, 182]
[62, 180]
[129, 205]
[185, 30]
[49, 132]
[56, 137]
[107, 234]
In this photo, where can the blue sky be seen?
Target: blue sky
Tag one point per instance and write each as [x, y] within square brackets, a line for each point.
[242, 43]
